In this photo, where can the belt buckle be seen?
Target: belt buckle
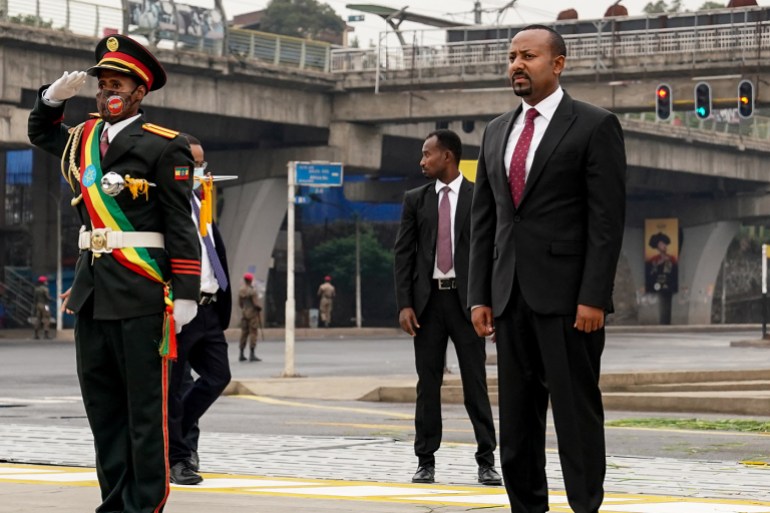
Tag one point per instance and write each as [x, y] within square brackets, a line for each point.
[445, 284]
[99, 241]
[207, 300]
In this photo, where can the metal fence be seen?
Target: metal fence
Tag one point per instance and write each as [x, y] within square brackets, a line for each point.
[97, 19]
[599, 48]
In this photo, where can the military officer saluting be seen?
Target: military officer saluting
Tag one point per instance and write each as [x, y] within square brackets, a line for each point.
[137, 280]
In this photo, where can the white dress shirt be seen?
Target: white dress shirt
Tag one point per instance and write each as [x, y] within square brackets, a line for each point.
[546, 108]
[114, 129]
[454, 193]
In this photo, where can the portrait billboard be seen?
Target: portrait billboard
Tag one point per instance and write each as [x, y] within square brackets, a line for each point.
[661, 255]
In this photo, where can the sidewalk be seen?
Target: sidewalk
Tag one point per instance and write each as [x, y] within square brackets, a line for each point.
[356, 475]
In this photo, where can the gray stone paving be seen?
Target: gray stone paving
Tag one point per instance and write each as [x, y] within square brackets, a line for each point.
[388, 460]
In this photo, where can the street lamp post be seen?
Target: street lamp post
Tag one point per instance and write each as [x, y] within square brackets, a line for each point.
[358, 270]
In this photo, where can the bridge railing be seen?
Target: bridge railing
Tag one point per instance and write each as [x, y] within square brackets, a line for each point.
[595, 50]
[99, 18]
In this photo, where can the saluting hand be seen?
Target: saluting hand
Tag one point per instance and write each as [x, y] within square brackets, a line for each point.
[408, 320]
[589, 318]
[66, 86]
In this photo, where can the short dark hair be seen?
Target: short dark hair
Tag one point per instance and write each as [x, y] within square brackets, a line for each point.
[558, 46]
[191, 139]
[448, 140]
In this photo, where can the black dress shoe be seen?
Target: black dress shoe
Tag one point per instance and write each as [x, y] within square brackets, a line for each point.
[489, 476]
[194, 461]
[182, 474]
[424, 474]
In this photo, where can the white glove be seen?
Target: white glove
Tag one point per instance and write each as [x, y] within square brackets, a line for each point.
[185, 310]
[66, 86]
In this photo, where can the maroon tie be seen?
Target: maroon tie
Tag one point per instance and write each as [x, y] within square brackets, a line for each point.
[104, 142]
[444, 242]
[518, 170]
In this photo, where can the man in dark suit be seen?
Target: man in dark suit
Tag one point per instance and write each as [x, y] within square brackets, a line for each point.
[201, 344]
[431, 272]
[137, 280]
[547, 225]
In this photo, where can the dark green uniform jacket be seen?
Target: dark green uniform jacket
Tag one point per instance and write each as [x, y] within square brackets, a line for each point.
[120, 293]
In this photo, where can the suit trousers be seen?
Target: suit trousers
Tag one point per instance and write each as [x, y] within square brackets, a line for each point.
[202, 344]
[540, 356]
[123, 380]
[442, 318]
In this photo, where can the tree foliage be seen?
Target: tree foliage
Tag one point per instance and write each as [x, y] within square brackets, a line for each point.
[711, 5]
[301, 18]
[661, 6]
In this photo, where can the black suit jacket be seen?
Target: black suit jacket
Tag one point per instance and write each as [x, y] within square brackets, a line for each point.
[564, 239]
[119, 293]
[415, 249]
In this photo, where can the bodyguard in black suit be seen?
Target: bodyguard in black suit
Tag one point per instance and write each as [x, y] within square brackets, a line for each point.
[137, 279]
[431, 273]
[202, 345]
[547, 225]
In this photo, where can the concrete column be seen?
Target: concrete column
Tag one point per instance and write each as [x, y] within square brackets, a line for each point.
[703, 249]
[250, 221]
[360, 145]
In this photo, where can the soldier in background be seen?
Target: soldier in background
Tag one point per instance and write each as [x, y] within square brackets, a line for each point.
[41, 309]
[250, 320]
[326, 292]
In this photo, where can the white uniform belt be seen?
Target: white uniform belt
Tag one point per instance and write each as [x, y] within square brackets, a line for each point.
[104, 240]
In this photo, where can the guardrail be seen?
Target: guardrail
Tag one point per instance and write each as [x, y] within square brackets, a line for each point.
[600, 48]
[89, 18]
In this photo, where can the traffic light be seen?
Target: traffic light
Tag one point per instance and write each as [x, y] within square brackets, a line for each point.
[663, 102]
[702, 100]
[745, 99]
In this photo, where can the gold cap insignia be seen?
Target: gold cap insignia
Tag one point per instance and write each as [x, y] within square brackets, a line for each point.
[112, 44]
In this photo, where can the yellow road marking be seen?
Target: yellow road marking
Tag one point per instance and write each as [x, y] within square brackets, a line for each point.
[447, 495]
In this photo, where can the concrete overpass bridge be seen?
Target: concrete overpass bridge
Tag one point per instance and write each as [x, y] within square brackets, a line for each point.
[253, 118]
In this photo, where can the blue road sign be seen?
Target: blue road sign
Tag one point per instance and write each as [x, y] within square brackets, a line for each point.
[319, 174]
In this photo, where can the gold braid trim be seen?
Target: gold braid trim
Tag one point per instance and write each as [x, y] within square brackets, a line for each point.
[71, 148]
[138, 186]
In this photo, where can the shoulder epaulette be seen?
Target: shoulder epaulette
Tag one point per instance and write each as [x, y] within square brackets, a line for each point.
[161, 131]
[94, 115]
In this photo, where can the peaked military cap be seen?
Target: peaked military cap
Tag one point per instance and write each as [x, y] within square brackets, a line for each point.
[123, 54]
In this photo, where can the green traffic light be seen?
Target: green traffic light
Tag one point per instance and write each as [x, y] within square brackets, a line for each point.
[701, 111]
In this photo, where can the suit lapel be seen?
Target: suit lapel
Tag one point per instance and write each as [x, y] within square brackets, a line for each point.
[430, 212]
[463, 207]
[563, 118]
[123, 142]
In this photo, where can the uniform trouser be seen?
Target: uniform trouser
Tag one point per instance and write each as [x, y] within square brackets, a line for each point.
[123, 381]
[42, 317]
[442, 318]
[201, 343]
[325, 310]
[540, 356]
[249, 332]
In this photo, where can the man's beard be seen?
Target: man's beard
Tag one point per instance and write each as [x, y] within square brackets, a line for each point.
[521, 89]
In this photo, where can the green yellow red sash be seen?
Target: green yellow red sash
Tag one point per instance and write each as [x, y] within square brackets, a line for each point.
[106, 213]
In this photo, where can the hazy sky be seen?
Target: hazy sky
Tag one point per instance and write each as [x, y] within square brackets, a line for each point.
[524, 11]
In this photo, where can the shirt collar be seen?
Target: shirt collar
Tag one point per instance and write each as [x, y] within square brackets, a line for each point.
[114, 129]
[547, 106]
[454, 184]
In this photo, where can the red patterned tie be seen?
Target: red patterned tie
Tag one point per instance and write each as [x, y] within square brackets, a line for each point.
[444, 240]
[104, 142]
[518, 170]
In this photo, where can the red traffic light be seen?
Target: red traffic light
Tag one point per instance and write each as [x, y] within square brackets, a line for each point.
[663, 92]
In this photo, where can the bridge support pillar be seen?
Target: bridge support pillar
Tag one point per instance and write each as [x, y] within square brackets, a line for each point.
[703, 249]
[250, 223]
[360, 145]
